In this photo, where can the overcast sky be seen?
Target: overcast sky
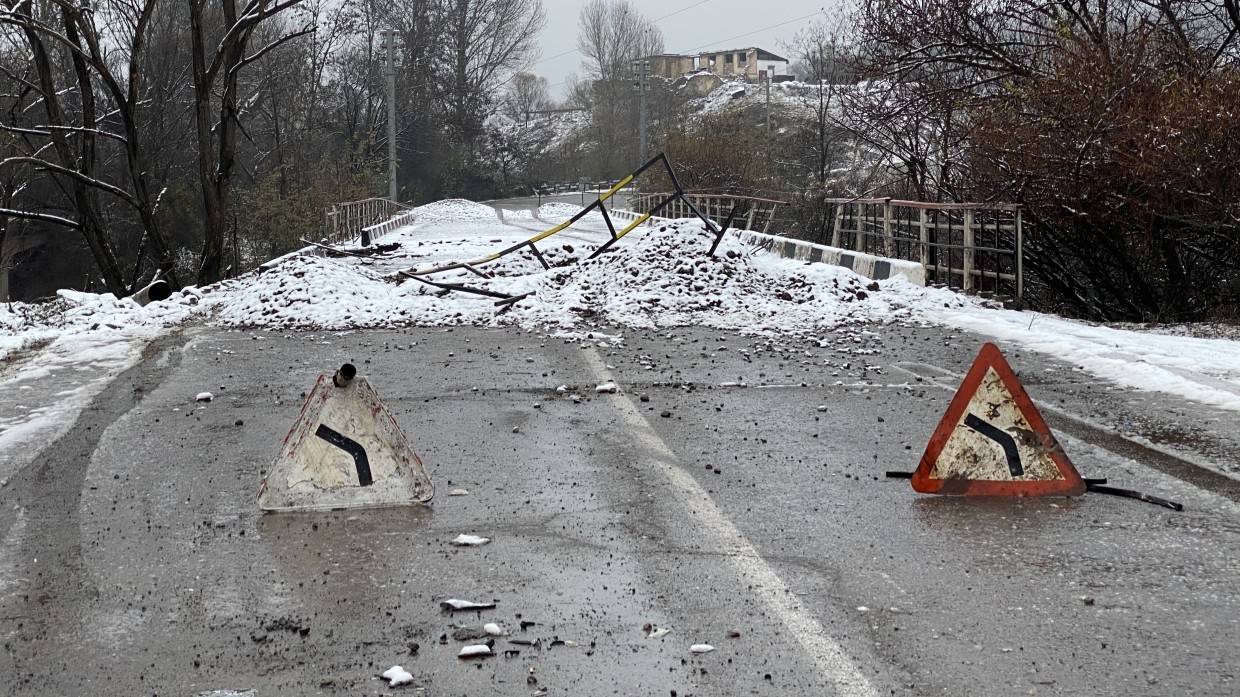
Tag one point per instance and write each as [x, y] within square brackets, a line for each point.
[688, 26]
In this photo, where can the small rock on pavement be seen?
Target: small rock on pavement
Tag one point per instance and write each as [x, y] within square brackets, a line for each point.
[606, 388]
[204, 397]
[493, 629]
[459, 492]
[666, 414]
[470, 540]
[701, 648]
[822, 407]
[397, 676]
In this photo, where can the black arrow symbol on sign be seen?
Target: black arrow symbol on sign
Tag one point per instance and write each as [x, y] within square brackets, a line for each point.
[1003, 439]
[351, 447]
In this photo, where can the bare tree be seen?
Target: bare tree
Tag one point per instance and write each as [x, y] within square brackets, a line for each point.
[221, 48]
[613, 33]
[526, 93]
[485, 40]
[819, 48]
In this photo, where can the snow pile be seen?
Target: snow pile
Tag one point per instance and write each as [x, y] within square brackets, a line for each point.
[308, 292]
[662, 277]
[453, 210]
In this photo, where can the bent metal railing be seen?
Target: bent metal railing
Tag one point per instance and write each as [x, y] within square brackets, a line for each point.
[366, 219]
[972, 247]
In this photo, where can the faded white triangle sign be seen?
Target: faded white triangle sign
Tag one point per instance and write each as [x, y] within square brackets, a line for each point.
[344, 451]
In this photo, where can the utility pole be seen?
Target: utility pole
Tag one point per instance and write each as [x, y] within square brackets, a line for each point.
[389, 71]
[767, 81]
[641, 83]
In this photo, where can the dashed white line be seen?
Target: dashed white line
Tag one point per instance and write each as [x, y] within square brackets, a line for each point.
[828, 656]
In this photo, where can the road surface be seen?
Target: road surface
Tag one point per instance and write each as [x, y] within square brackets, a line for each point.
[134, 561]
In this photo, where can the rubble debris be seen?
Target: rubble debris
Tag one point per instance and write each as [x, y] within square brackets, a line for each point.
[397, 676]
[654, 631]
[204, 397]
[469, 540]
[607, 388]
[493, 629]
[475, 651]
[456, 605]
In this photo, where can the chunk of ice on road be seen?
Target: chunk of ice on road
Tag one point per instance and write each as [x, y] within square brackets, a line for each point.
[493, 629]
[455, 604]
[204, 397]
[397, 676]
[701, 648]
[562, 389]
[606, 388]
[474, 651]
[470, 540]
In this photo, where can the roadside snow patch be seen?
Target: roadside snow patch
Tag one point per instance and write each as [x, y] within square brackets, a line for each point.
[453, 210]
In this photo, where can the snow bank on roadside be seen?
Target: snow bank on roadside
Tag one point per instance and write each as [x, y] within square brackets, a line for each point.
[1202, 370]
[453, 210]
[56, 356]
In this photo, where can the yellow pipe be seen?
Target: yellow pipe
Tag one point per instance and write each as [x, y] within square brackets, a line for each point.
[619, 185]
[545, 234]
[634, 224]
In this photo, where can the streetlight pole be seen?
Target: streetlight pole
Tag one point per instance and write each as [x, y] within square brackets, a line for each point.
[641, 70]
[389, 71]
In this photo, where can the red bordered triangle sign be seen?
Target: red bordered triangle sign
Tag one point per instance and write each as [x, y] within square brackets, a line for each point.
[993, 442]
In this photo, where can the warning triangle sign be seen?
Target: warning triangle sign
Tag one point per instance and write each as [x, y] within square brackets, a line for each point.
[993, 442]
[344, 451]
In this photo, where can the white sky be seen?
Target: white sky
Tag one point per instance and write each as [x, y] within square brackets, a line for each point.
[688, 26]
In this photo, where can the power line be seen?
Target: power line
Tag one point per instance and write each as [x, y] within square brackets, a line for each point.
[751, 33]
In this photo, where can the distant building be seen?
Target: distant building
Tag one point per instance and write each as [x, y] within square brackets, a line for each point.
[753, 64]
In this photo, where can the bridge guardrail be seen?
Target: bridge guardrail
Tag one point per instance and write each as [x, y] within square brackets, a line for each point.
[972, 247]
[361, 219]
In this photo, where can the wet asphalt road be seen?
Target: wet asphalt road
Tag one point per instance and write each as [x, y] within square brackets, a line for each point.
[133, 560]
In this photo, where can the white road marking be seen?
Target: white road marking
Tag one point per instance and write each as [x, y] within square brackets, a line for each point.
[832, 662]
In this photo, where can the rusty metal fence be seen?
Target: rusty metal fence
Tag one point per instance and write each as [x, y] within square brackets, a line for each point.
[971, 247]
[752, 210]
[365, 219]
